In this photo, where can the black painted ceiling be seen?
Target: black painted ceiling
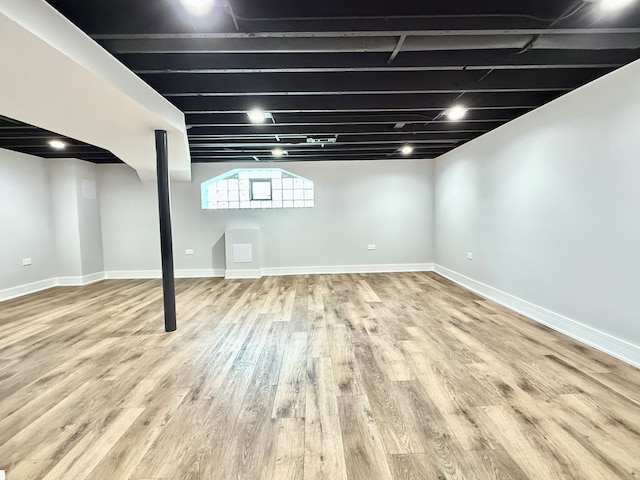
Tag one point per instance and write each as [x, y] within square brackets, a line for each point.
[25, 138]
[373, 75]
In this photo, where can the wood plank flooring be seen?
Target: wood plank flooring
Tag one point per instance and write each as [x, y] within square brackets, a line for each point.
[361, 377]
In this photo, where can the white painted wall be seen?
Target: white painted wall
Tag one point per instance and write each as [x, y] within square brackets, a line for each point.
[129, 213]
[26, 227]
[357, 203]
[64, 199]
[549, 204]
[76, 218]
[43, 216]
[89, 222]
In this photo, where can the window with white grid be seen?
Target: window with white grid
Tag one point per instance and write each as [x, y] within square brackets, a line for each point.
[257, 188]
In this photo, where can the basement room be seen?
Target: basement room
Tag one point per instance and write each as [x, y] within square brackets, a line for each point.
[280, 240]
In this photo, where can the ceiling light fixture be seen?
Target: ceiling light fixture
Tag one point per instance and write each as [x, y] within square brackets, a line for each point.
[278, 152]
[610, 5]
[198, 7]
[407, 150]
[257, 115]
[456, 112]
[57, 144]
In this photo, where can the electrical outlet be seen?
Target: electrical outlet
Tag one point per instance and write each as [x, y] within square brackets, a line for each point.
[25, 263]
[469, 255]
[189, 251]
[371, 247]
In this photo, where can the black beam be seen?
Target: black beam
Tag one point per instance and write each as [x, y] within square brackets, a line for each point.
[399, 100]
[241, 119]
[364, 82]
[342, 129]
[489, 59]
[166, 243]
[395, 135]
[315, 158]
[369, 41]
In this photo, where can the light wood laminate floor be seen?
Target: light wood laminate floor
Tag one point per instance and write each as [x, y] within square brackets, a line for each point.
[362, 377]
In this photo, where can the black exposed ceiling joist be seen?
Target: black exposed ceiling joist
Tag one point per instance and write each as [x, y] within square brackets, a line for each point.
[28, 139]
[328, 156]
[318, 150]
[248, 139]
[340, 129]
[417, 22]
[279, 126]
[143, 63]
[309, 146]
[33, 139]
[50, 153]
[353, 101]
[268, 160]
[349, 117]
[388, 68]
[375, 41]
[395, 111]
[320, 154]
[158, 16]
[86, 157]
[368, 93]
[369, 34]
[349, 82]
[44, 148]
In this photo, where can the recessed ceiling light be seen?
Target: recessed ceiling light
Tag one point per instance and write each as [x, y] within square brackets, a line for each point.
[257, 115]
[277, 152]
[57, 144]
[407, 150]
[198, 7]
[456, 112]
[610, 5]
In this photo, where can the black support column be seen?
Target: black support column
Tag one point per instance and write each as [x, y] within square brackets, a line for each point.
[166, 243]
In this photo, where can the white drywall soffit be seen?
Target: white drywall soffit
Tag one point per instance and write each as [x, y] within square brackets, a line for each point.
[56, 77]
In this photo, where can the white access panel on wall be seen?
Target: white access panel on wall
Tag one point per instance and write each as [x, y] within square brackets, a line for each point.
[242, 251]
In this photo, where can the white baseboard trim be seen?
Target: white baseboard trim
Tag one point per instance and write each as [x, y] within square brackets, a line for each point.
[273, 271]
[22, 290]
[132, 274]
[238, 274]
[79, 281]
[29, 288]
[614, 346]
[345, 269]
[155, 274]
[200, 273]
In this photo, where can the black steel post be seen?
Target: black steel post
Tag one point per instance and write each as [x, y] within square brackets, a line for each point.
[166, 243]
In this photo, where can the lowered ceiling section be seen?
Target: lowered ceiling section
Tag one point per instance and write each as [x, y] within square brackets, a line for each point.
[58, 79]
